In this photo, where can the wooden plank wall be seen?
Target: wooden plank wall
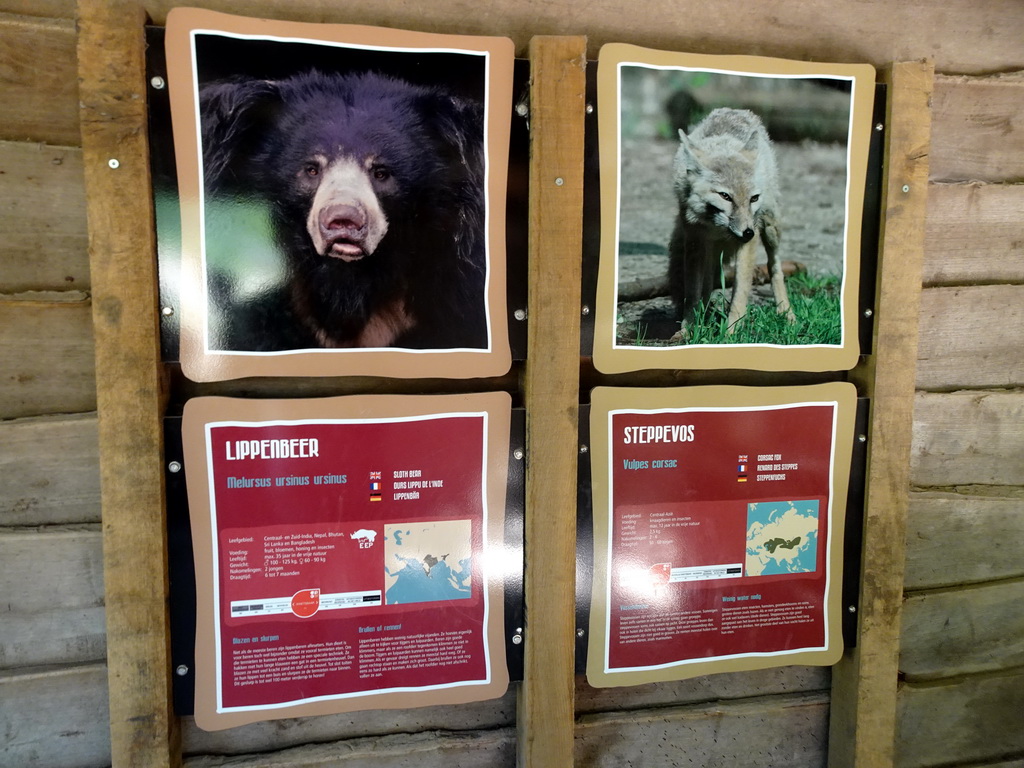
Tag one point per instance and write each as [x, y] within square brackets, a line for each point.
[962, 660]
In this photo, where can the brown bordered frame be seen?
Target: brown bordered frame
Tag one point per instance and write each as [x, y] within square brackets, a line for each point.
[611, 356]
[200, 362]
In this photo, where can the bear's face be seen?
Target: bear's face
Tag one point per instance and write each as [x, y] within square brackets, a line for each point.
[344, 165]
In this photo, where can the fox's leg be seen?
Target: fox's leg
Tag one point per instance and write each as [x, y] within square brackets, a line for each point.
[743, 282]
[770, 238]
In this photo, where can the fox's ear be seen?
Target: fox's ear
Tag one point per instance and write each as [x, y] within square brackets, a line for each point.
[752, 142]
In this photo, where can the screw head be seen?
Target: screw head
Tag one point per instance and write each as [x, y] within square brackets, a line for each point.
[584, 449]
[851, 608]
[522, 110]
[580, 632]
[559, 181]
[862, 438]
[517, 639]
[906, 188]
[519, 314]
[114, 163]
[590, 109]
[869, 312]
[167, 311]
[518, 453]
[174, 466]
[879, 126]
[157, 82]
[585, 310]
[181, 670]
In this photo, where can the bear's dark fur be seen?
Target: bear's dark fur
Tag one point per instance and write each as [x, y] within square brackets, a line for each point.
[375, 191]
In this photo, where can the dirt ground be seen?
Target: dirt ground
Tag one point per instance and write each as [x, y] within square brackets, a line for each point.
[812, 178]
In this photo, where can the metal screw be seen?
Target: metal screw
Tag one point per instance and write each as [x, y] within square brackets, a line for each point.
[580, 632]
[517, 639]
[518, 453]
[114, 163]
[869, 312]
[585, 310]
[167, 311]
[559, 181]
[906, 188]
[519, 314]
[879, 126]
[181, 670]
[590, 109]
[522, 110]
[862, 438]
[157, 82]
[584, 449]
[174, 466]
[851, 608]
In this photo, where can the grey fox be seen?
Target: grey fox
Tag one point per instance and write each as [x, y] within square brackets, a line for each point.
[726, 183]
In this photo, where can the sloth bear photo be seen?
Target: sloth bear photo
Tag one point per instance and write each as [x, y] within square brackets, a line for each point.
[374, 189]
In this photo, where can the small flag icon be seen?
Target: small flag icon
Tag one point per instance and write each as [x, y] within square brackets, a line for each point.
[375, 476]
[741, 468]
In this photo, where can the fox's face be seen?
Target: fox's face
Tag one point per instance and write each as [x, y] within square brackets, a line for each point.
[718, 186]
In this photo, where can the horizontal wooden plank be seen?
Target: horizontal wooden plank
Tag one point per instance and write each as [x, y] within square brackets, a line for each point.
[476, 749]
[974, 233]
[728, 685]
[42, 216]
[970, 336]
[964, 438]
[55, 718]
[969, 719]
[963, 631]
[955, 539]
[52, 582]
[281, 734]
[771, 730]
[877, 31]
[978, 128]
[38, 80]
[50, 467]
[48, 358]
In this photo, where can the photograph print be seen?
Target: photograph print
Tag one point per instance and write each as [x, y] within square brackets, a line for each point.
[732, 196]
[342, 194]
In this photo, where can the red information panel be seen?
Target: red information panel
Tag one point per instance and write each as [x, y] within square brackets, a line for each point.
[344, 553]
[718, 521]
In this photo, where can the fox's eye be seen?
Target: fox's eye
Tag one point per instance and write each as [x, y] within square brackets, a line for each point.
[726, 196]
[755, 198]
[381, 173]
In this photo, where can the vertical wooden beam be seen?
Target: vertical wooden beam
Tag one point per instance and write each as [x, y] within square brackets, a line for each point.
[557, 111]
[112, 83]
[863, 712]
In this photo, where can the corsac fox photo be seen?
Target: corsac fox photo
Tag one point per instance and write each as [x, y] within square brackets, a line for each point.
[732, 207]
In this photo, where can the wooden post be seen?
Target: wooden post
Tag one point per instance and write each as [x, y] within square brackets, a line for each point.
[112, 78]
[557, 111]
[863, 711]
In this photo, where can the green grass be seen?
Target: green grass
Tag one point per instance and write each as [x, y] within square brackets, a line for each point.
[815, 302]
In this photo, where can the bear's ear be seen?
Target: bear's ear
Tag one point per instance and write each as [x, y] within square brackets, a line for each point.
[458, 125]
[233, 115]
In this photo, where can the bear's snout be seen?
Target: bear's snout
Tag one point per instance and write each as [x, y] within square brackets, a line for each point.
[345, 219]
[343, 229]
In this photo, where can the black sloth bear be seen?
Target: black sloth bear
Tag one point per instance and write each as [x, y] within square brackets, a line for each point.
[375, 189]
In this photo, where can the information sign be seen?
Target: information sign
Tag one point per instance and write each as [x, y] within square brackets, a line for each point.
[348, 553]
[718, 525]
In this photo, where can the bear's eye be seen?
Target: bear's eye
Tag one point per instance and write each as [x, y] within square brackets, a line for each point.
[726, 196]
[380, 173]
[755, 198]
[311, 169]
